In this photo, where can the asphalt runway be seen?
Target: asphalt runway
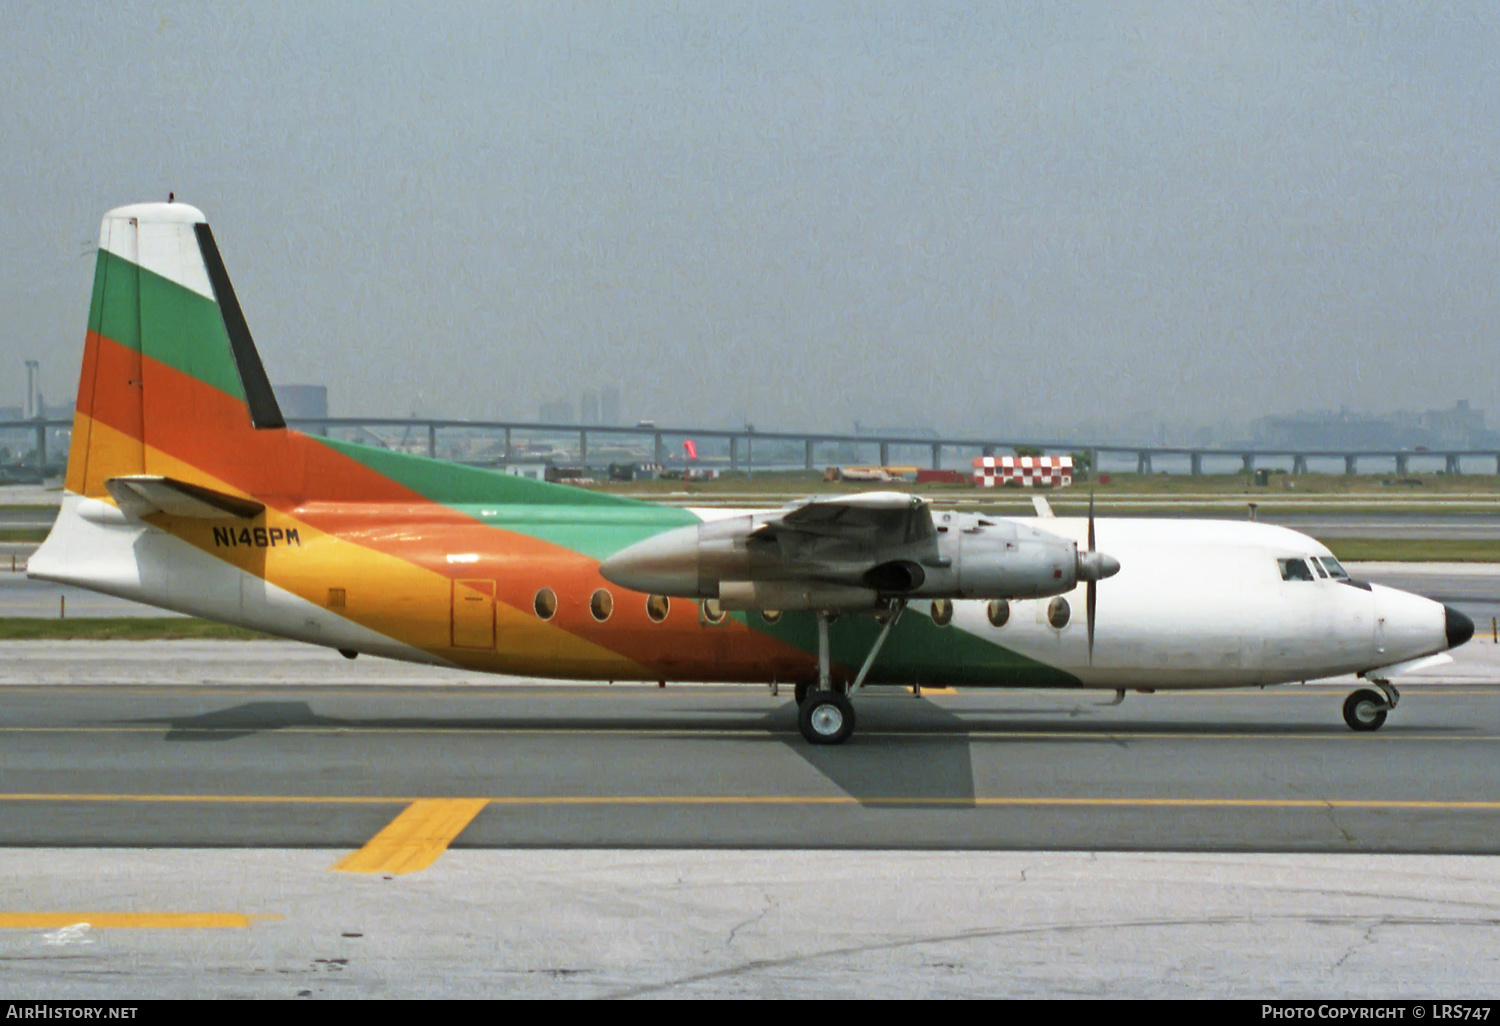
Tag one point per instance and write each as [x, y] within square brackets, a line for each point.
[705, 767]
[240, 819]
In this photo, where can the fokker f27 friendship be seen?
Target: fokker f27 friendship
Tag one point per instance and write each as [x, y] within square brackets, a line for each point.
[186, 490]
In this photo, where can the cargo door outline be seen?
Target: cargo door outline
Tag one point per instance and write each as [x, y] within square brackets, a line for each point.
[472, 614]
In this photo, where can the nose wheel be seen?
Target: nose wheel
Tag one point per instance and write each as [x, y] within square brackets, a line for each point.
[1366, 710]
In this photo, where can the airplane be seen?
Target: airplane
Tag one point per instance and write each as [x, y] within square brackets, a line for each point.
[186, 490]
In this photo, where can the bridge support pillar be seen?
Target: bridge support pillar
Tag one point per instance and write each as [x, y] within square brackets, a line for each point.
[583, 448]
[1451, 464]
[1299, 463]
[41, 447]
[1195, 461]
[988, 450]
[885, 454]
[734, 452]
[1247, 463]
[1351, 464]
[807, 454]
[937, 455]
[659, 445]
[507, 445]
[432, 441]
[1143, 462]
[1402, 462]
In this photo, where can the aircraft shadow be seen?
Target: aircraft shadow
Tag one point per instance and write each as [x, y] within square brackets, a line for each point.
[912, 751]
[873, 765]
[870, 768]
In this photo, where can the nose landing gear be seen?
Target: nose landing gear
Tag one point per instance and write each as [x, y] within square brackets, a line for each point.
[1365, 710]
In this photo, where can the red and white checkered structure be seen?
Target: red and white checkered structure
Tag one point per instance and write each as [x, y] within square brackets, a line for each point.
[1027, 471]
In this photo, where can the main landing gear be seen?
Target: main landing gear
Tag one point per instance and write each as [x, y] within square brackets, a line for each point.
[1366, 709]
[825, 716]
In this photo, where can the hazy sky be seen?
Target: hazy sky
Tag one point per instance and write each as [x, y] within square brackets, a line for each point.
[979, 217]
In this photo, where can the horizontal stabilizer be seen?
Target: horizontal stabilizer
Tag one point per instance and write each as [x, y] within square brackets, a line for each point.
[141, 495]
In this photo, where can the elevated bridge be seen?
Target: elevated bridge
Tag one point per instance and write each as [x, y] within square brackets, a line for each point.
[515, 440]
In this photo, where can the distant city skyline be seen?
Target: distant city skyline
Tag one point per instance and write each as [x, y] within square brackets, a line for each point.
[1022, 215]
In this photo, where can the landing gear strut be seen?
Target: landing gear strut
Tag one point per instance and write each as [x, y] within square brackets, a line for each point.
[1366, 710]
[825, 715]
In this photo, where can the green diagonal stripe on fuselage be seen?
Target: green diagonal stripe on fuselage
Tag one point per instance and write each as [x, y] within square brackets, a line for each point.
[917, 650]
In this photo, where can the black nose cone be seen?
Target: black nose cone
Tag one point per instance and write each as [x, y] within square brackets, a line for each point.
[1460, 628]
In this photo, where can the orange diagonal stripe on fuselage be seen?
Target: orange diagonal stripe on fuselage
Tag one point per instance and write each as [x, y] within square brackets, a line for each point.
[200, 434]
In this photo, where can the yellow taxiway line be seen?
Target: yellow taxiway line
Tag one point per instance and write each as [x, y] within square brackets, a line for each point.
[126, 920]
[414, 839]
[419, 835]
[441, 814]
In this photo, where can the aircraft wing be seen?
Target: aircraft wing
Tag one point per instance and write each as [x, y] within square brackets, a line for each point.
[141, 495]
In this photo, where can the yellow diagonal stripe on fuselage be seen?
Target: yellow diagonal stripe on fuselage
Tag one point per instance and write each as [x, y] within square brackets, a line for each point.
[386, 593]
[414, 839]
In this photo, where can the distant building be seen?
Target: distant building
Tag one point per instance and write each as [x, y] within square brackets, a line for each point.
[588, 408]
[609, 406]
[559, 411]
[1461, 427]
[302, 401]
[535, 470]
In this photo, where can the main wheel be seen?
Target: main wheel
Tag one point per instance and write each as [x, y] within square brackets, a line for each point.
[1365, 710]
[826, 718]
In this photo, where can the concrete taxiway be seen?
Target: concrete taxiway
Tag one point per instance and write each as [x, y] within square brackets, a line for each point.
[693, 923]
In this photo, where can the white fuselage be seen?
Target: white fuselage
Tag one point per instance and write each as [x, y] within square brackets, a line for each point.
[1202, 603]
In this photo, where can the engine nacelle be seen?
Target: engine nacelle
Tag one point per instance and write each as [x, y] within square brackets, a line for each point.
[963, 556]
[988, 558]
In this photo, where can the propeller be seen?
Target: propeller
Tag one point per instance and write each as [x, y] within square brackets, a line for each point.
[1094, 566]
[1092, 594]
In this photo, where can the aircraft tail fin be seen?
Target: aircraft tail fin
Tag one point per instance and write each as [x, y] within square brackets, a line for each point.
[167, 356]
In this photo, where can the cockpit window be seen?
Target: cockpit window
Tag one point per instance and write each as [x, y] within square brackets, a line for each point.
[1318, 567]
[1334, 569]
[1294, 570]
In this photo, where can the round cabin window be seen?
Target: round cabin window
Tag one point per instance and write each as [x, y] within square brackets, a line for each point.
[713, 610]
[545, 603]
[998, 611]
[770, 615]
[657, 607]
[601, 604]
[1058, 612]
[942, 612]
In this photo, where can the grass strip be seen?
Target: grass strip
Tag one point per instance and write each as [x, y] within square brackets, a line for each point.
[1415, 550]
[120, 628]
[23, 534]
